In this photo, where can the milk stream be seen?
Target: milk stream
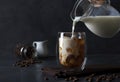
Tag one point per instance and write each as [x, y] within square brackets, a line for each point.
[103, 26]
[77, 19]
[73, 28]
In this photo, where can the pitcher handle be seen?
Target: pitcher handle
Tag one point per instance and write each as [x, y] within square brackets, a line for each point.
[73, 12]
[34, 44]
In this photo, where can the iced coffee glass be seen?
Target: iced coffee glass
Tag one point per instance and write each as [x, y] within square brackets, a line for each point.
[71, 48]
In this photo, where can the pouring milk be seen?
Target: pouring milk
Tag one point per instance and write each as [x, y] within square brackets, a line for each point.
[102, 22]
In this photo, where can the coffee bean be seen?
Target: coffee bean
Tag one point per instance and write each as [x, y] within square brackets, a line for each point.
[17, 63]
[66, 79]
[86, 78]
[109, 78]
[90, 80]
[70, 78]
[26, 65]
[98, 79]
[75, 79]
[92, 75]
[103, 78]
[25, 62]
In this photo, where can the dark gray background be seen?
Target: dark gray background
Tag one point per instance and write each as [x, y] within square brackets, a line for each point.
[25, 21]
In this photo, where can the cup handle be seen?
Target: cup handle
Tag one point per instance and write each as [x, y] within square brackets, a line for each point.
[34, 44]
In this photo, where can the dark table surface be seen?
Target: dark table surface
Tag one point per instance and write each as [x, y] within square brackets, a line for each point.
[33, 73]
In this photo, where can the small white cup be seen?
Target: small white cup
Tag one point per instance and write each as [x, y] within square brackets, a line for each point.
[41, 48]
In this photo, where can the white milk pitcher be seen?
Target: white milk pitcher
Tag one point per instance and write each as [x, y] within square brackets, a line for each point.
[41, 48]
[99, 16]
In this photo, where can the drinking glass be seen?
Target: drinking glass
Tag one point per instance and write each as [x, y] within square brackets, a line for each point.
[72, 49]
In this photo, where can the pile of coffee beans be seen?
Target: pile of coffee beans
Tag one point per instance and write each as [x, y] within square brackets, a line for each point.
[62, 74]
[103, 77]
[66, 73]
[25, 53]
[26, 62]
[73, 76]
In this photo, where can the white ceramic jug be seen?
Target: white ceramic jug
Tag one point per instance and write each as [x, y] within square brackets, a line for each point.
[41, 48]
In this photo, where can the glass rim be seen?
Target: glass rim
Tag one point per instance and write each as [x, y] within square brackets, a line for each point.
[71, 32]
[76, 33]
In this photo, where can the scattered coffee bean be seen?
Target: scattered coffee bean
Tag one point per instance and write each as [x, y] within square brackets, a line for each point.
[110, 77]
[98, 79]
[66, 79]
[104, 77]
[70, 75]
[92, 75]
[70, 78]
[75, 79]
[25, 62]
[90, 80]
[86, 78]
